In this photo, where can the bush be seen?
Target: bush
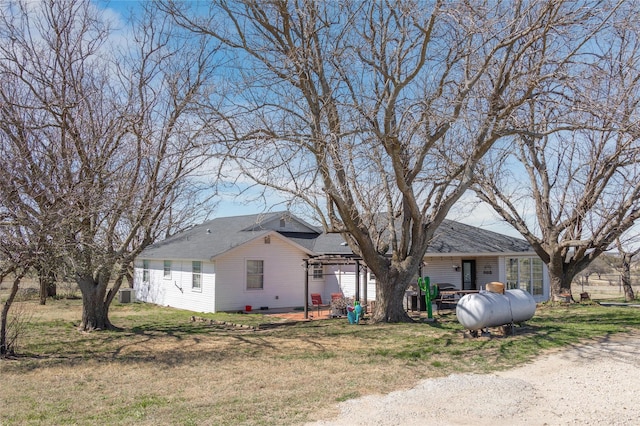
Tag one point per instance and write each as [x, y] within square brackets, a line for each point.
[17, 322]
[68, 290]
[28, 293]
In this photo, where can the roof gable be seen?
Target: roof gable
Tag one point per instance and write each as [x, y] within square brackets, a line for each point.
[217, 236]
[283, 222]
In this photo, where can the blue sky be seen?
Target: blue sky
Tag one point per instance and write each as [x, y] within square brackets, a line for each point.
[467, 211]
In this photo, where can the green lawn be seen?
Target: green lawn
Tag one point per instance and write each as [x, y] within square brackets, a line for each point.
[164, 368]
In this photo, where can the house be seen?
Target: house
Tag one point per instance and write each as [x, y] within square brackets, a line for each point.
[274, 260]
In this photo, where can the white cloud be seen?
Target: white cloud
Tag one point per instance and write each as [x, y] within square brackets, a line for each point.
[471, 211]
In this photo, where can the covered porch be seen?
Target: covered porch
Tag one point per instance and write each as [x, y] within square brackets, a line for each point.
[341, 265]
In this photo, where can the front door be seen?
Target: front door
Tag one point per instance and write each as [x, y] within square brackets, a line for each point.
[469, 275]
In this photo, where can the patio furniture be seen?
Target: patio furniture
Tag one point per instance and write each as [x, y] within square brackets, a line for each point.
[316, 301]
[335, 296]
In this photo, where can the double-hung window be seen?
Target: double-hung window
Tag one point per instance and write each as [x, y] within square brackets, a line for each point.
[145, 271]
[255, 274]
[167, 269]
[317, 272]
[196, 276]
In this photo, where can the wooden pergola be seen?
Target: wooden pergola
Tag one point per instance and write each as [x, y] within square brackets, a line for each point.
[334, 260]
[340, 259]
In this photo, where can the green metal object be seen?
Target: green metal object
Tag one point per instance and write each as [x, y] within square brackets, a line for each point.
[430, 293]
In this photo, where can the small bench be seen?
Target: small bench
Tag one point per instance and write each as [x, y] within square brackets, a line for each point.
[446, 303]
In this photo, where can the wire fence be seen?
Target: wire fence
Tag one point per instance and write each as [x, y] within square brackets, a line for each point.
[605, 285]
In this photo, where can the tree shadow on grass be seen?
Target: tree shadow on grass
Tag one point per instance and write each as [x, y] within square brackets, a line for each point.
[623, 347]
[573, 342]
[178, 341]
[169, 344]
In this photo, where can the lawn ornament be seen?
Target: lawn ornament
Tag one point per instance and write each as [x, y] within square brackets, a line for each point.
[354, 313]
[430, 293]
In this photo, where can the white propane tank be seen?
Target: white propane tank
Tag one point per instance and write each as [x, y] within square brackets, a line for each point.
[486, 309]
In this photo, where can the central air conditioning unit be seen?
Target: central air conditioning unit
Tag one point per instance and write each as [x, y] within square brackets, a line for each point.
[126, 295]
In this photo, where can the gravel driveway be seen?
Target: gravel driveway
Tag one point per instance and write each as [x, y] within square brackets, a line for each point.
[597, 383]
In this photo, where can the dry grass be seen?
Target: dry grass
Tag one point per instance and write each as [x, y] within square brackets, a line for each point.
[603, 289]
[162, 368]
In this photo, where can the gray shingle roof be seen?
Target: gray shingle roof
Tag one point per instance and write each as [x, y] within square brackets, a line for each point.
[212, 238]
[456, 237]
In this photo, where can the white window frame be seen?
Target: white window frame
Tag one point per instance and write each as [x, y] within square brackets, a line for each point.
[166, 274]
[317, 272]
[145, 271]
[526, 276]
[196, 276]
[250, 275]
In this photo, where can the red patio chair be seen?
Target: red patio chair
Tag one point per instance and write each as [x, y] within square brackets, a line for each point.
[316, 301]
[335, 296]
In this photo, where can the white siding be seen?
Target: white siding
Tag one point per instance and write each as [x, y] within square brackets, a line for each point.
[224, 282]
[284, 276]
[176, 291]
[487, 270]
[371, 287]
[342, 279]
[318, 285]
[440, 270]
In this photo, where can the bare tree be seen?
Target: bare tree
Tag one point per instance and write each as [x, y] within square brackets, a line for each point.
[627, 251]
[571, 185]
[599, 266]
[107, 137]
[6, 346]
[12, 265]
[375, 114]
[18, 253]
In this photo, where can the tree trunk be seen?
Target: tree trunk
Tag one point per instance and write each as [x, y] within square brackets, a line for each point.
[626, 278]
[389, 299]
[5, 345]
[129, 277]
[560, 281]
[47, 280]
[95, 311]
